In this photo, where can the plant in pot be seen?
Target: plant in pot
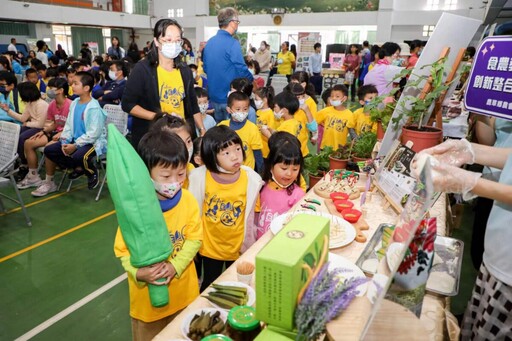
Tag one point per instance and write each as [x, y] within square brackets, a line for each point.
[340, 157]
[363, 147]
[421, 94]
[381, 109]
[315, 165]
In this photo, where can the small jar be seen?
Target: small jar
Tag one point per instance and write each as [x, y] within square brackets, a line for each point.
[242, 324]
[216, 337]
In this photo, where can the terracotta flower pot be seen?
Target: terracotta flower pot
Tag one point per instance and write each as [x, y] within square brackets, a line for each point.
[337, 163]
[313, 180]
[380, 131]
[422, 139]
[357, 159]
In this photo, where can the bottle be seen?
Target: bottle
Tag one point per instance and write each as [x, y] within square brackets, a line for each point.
[242, 324]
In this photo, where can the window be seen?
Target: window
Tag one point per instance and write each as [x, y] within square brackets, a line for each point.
[170, 13]
[428, 29]
[432, 5]
[450, 5]
[179, 12]
[62, 36]
[107, 37]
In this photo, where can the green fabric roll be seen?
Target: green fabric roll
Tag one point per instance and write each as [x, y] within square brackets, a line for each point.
[138, 212]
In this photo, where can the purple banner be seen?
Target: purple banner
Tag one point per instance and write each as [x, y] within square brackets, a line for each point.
[489, 90]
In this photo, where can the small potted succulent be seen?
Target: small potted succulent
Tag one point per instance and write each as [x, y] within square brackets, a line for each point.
[340, 157]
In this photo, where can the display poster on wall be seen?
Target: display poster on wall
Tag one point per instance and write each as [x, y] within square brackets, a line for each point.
[93, 46]
[489, 89]
[305, 49]
[336, 60]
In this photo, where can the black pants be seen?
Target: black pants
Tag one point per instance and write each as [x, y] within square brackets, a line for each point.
[353, 90]
[482, 210]
[83, 157]
[25, 134]
[212, 269]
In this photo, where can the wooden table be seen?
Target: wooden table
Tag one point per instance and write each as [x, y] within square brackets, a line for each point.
[391, 319]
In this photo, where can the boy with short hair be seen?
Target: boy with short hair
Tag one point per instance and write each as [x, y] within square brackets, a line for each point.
[82, 138]
[201, 82]
[238, 107]
[166, 158]
[33, 77]
[363, 122]
[285, 107]
[202, 101]
[337, 119]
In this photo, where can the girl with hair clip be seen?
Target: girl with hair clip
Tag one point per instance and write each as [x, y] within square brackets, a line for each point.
[282, 188]
[178, 126]
[161, 82]
[227, 193]
[264, 101]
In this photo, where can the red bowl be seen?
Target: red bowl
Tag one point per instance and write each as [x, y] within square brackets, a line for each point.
[342, 205]
[351, 215]
[339, 196]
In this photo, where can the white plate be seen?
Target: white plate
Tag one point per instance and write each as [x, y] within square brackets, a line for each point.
[350, 270]
[334, 242]
[393, 255]
[185, 324]
[251, 294]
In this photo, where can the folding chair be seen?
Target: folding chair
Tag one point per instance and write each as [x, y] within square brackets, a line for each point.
[278, 82]
[117, 117]
[9, 136]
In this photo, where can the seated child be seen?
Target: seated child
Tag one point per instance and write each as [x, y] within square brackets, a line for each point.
[363, 122]
[82, 138]
[166, 157]
[33, 78]
[238, 108]
[206, 114]
[337, 119]
[201, 82]
[282, 176]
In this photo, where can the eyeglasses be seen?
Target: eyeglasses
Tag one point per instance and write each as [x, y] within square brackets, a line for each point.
[180, 42]
[236, 21]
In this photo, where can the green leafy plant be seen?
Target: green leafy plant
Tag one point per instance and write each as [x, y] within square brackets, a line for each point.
[343, 152]
[316, 164]
[363, 146]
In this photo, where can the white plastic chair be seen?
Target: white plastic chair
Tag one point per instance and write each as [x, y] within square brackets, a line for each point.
[117, 117]
[9, 136]
[278, 82]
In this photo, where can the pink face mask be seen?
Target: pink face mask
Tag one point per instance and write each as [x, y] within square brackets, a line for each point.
[168, 190]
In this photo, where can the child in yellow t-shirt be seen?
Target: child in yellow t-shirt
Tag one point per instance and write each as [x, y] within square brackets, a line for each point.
[166, 157]
[285, 107]
[228, 195]
[337, 119]
[264, 101]
[363, 122]
[238, 108]
[306, 113]
[180, 127]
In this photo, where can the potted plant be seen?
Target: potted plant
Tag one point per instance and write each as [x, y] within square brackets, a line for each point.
[315, 165]
[363, 147]
[381, 109]
[340, 157]
[421, 94]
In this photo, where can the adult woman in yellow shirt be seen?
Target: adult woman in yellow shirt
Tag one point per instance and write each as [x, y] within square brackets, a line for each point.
[285, 61]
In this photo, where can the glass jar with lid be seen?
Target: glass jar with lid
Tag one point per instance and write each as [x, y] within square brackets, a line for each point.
[242, 323]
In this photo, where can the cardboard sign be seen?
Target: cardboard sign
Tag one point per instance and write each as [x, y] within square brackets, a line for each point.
[489, 89]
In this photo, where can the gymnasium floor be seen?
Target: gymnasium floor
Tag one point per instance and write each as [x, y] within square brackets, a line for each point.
[59, 279]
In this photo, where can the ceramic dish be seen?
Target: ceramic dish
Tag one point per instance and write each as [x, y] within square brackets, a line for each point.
[185, 324]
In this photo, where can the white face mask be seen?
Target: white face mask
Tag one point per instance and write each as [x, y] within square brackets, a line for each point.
[302, 101]
[251, 71]
[336, 103]
[171, 50]
[190, 153]
[222, 170]
[203, 108]
[168, 190]
[278, 115]
[112, 75]
[258, 104]
[194, 74]
[279, 184]
[239, 116]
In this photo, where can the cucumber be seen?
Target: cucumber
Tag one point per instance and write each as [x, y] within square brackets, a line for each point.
[221, 302]
[229, 287]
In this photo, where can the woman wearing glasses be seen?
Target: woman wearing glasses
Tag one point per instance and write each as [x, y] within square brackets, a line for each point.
[161, 83]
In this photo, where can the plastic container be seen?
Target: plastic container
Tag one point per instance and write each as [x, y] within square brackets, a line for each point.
[242, 324]
[338, 196]
[216, 337]
[351, 215]
[342, 205]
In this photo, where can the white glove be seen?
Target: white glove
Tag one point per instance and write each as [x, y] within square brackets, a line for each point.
[453, 152]
[451, 179]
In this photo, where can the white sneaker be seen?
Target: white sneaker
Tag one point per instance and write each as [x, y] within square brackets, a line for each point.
[45, 188]
[30, 181]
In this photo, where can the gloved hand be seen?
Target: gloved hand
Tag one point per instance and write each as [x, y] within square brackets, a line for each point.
[451, 179]
[453, 152]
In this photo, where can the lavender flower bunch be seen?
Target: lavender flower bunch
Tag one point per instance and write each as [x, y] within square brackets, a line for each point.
[327, 296]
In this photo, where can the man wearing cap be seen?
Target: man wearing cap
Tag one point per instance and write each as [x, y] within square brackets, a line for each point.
[223, 61]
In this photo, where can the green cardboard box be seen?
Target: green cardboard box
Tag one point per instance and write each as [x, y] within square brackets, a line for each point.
[270, 335]
[282, 267]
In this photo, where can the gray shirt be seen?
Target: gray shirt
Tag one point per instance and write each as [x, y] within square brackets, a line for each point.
[315, 63]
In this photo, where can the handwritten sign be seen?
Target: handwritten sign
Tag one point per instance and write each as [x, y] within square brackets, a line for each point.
[489, 89]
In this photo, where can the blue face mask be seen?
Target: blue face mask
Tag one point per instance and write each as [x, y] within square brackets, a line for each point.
[3, 90]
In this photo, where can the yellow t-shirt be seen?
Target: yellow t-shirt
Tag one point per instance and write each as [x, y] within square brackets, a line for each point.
[171, 90]
[321, 115]
[190, 167]
[294, 127]
[285, 68]
[336, 127]
[183, 223]
[363, 122]
[251, 138]
[265, 117]
[199, 82]
[223, 217]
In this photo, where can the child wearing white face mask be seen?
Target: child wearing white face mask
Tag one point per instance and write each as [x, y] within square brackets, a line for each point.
[264, 101]
[238, 108]
[166, 157]
[206, 113]
[178, 126]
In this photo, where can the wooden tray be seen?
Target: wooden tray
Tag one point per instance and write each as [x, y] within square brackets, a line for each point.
[360, 226]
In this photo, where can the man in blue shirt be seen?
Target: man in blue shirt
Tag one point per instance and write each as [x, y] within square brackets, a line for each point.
[223, 61]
